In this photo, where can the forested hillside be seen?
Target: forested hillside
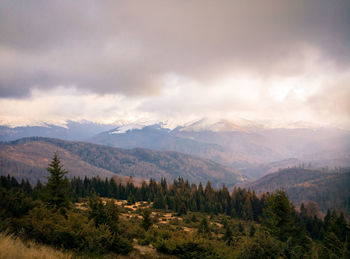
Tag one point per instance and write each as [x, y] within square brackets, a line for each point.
[28, 157]
[328, 188]
[165, 220]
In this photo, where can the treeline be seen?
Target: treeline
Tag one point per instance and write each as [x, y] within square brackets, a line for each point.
[180, 196]
[46, 213]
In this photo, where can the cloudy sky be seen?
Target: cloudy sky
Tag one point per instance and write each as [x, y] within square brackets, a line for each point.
[276, 61]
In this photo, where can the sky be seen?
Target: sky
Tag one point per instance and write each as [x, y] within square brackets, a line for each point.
[273, 61]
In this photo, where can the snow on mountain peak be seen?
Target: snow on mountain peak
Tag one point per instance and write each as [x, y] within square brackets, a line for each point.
[136, 126]
[125, 128]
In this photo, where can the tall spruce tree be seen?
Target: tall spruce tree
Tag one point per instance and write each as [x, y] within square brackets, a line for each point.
[146, 219]
[204, 227]
[56, 193]
[228, 236]
[278, 217]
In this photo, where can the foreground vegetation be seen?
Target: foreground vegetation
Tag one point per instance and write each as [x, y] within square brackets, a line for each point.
[12, 247]
[160, 220]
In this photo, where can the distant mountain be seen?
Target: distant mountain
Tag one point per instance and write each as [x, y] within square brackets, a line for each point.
[206, 124]
[159, 138]
[255, 171]
[329, 188]
[71, 131]
[254, 151]
[270, 145]
[29, 157]
[241, 145]
[230, 148]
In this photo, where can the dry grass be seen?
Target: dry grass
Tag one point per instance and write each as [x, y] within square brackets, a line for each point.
[14, 248]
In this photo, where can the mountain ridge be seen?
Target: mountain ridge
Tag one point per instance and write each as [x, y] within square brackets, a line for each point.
[138, 162]
[243, 146]
[328, 188]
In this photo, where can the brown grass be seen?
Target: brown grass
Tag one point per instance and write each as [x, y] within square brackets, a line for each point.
[14, 248]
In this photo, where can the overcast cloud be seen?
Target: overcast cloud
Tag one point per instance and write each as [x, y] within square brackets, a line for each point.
[127, 60]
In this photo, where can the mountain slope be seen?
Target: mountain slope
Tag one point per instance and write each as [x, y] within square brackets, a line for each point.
[252, 151]
[90, 159]
[158, 138]
[29, 159]
[330, 189]
[229, 148]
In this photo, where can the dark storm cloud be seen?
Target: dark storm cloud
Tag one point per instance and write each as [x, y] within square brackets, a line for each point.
[128, 46]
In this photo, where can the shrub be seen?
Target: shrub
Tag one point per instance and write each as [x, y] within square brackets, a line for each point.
[73, 231]
[261, 246]
[189, 246]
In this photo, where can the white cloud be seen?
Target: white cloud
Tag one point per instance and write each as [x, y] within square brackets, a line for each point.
[177, 60]
[67, 103]
[278, 101]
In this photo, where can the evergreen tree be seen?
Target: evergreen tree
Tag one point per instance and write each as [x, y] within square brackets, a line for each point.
[56, 190]
[327, 218]
[97, 210]
[159, 202]
[333, 245]
[228, 236]
[240, 228]
[278, 218]
[252, 230]
[146, 219]
[204, 227]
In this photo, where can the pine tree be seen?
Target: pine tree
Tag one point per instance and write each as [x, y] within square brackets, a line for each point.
[96, 210]
[56, 189]
[204, 227]
[252, 230]
[278, 218]
[228, 236]
[159, 202]
[146, 219]
[240, 228]
[327, 218]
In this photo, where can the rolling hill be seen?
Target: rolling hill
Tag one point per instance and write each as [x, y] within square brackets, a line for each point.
[28, 158]
[328, 188]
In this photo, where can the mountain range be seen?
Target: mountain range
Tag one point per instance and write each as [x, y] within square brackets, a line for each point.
[246, 147]
[71, 131]
[307, 163]
[254, 151]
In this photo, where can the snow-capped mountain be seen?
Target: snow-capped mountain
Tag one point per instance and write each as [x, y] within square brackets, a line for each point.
[241, 147]
[71, 131]
[125, 128]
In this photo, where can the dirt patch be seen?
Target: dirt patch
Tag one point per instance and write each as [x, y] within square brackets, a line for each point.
[145, 249]
[190, 230]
